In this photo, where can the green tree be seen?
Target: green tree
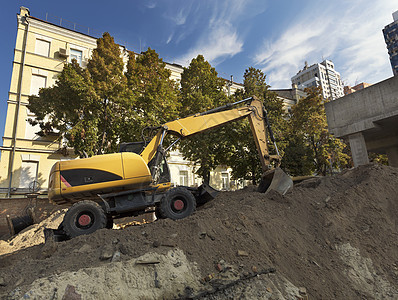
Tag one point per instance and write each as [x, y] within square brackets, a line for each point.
[311, 147]
[98, 107]
[106, 68]
[201, 90]
[154, 96]
[67, 108]
[243, 155]
[84, 105]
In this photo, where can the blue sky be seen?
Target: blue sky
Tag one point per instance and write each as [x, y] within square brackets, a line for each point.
[275, 36]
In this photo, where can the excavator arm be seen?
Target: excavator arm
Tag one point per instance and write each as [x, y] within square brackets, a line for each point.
[185, 127]
[200, 122]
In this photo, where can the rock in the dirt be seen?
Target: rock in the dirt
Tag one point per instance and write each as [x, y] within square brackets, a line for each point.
[202, 235]
[71, 294]
[302, 291]
[219, 267]
[242, 253]
[147, 261]
[116, 256]
[49, 248]
[2, 282]
[85, 248]
[107, 253]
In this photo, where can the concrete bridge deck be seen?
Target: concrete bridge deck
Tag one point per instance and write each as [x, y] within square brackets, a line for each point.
[369, 119]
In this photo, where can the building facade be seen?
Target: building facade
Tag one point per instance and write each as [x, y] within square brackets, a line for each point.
[41, 51]
[289, 97]
[352, 89]
[390, 33]
[320, 75]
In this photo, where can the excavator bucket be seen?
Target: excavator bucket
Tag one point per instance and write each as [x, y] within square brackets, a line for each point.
[276, 180]
[205, 193]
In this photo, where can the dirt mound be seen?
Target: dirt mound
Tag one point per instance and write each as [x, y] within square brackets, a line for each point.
[335, 237]
[32, 235]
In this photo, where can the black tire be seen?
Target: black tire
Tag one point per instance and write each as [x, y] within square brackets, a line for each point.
[84, 217]
[158, 213]
[178, 203]
[109, 222]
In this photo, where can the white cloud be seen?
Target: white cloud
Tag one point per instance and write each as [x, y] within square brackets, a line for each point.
[180, 17]
[170, 38]
[350, 36]
[220, 43]
[220, 38]
[151, 5]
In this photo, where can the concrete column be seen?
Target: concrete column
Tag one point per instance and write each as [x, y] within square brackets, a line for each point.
[392, 154]
[358, 149]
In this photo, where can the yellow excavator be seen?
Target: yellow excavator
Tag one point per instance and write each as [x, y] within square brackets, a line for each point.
[127, 183]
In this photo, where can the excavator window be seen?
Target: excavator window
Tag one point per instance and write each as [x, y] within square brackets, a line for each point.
[164, 172]
[135, 147]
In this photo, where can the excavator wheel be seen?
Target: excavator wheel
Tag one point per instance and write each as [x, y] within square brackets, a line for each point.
[84, 217]
[158, 213]
[178, 203]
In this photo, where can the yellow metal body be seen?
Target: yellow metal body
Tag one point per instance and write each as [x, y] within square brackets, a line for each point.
[126, 171]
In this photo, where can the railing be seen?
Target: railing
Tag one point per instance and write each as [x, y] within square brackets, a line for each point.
[73, 26]
[79, 28]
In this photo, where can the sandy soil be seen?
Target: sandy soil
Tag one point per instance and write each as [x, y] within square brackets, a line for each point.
[330, 238]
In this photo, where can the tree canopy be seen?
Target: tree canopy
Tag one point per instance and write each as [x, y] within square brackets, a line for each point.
[96, 108]
[201, 90]
[311, 148]
[243, 156]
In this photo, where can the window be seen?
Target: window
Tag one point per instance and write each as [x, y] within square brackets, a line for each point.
[184, 178]
[30, 131]
[28, 173]
[42, 47]
[225, 181]
[76, 54]
[37, 83]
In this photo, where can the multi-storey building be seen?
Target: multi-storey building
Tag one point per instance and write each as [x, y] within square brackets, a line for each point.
[391, 37]
[41, 50]
[352, 89]
[290, 97]
[320, 75]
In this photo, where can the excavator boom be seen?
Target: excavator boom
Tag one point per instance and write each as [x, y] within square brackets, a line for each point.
[200, 122]
[220, 116]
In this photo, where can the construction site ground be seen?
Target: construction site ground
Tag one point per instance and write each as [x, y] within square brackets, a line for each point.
[334, 237]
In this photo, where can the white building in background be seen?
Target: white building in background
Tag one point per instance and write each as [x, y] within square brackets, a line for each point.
[320, 75]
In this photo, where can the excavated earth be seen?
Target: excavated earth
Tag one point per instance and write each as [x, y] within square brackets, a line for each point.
[329, 238]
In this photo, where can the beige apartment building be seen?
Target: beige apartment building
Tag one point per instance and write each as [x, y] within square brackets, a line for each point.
[41, 50]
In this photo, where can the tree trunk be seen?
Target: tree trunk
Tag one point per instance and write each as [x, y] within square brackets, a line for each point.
[206, 177]
[254, 181]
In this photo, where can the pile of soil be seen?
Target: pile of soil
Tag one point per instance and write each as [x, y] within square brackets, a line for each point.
[33, 235]
[329, 238]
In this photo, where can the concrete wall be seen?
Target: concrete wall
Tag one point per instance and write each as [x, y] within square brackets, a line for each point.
[361, 110]
[369, 119]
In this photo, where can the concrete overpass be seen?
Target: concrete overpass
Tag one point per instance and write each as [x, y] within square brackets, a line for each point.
[369, 120]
